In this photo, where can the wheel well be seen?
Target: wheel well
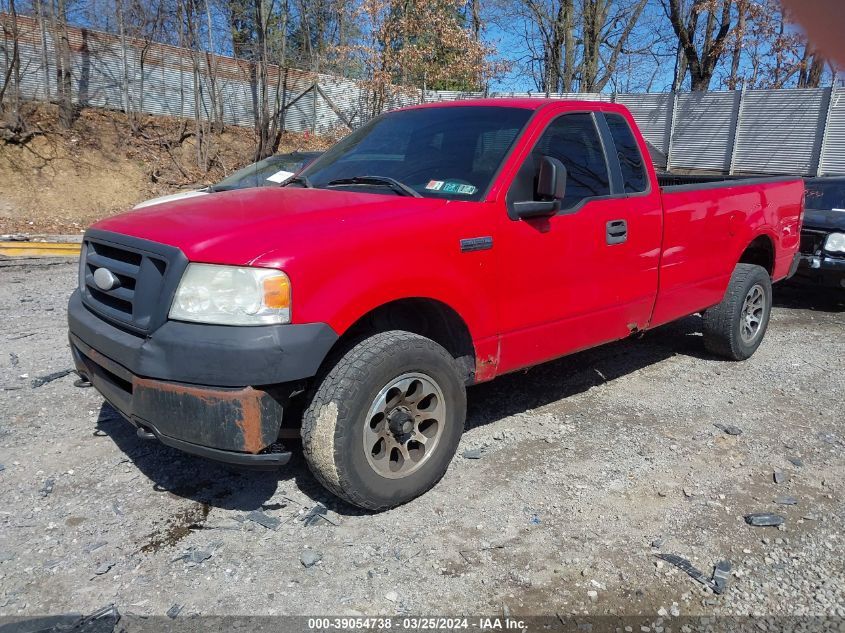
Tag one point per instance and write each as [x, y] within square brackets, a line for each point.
[426, 317]
[760, 252]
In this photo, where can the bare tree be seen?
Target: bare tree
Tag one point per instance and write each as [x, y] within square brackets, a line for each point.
[124, 59]
[581, 46]
[812, 67]
[149, 20]
[259, 31]
[316, 29]
[475, 19]
[64, 68]
[611, 30]
[554, 22]
[700, 57]
[742, 9]
[779, 54]
[38, 7]
[542, 38]
[11, 88]
[263, 122]
[211, 68]
[190, 15]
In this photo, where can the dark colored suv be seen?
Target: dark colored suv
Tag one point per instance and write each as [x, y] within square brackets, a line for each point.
[823, 233]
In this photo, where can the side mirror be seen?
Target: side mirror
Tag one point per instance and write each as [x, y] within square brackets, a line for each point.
[551, 179]
[551, 190]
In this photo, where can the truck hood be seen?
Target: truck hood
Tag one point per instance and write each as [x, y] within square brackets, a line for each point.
[237, 227]
[825, 219]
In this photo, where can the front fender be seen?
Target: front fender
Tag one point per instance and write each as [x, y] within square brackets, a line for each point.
[347, 275]
[343, 298]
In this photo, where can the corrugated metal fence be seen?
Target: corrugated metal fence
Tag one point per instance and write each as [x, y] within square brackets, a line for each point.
[793, 132]
[756, 131]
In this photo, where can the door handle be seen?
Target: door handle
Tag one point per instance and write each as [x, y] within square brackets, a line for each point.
[617, 231]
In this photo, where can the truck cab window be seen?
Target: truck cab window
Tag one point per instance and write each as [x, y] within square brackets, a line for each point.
[574, 140]
[630, 158]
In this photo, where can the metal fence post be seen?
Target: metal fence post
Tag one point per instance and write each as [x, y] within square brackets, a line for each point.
[45, 62]
[831, 93]
[314, 93]
[671, 131]
[284, 100]
[737, 122]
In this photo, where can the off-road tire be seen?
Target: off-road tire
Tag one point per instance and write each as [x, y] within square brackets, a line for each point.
[723, 322]
[333, 422]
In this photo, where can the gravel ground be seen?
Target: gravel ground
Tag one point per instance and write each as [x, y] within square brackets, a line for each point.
[589, 467]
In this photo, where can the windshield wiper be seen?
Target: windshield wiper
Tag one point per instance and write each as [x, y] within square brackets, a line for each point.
[394, 184]
[299, 180]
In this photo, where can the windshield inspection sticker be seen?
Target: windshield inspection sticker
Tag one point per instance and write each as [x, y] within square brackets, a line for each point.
[450, 187]
[280, 176]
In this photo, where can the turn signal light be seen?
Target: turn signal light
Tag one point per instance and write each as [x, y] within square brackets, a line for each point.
[277, 292]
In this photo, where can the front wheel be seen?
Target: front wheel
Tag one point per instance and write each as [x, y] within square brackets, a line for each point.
[385, 421]
[735, 327]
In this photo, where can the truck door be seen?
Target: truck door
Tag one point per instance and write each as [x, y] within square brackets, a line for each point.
[587, 274]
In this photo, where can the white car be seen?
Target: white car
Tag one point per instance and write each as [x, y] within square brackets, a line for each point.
[270, 171]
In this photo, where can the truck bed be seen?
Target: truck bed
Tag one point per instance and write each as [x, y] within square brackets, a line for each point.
[706, 228]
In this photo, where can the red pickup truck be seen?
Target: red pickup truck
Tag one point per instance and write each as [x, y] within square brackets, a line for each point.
[434, 248]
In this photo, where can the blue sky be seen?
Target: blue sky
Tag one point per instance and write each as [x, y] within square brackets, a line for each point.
[651, 68]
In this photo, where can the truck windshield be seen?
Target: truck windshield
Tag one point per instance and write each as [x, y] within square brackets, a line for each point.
[443, 152]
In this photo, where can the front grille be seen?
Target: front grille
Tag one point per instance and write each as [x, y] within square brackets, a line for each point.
[147, 275]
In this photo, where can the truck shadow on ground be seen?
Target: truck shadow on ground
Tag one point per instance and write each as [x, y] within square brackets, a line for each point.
[233, 488]
[210, 483]
[805, 297]
[184, 475]
[571, 375]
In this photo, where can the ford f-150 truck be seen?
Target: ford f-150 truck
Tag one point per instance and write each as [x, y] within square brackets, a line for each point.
[435, 247]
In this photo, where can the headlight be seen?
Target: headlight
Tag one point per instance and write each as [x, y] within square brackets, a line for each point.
[835, 243]
[228, 295]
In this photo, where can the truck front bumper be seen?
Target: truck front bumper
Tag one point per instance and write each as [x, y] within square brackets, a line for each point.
[214, 391]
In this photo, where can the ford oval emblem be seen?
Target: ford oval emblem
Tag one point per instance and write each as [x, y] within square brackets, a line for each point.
[105, 279]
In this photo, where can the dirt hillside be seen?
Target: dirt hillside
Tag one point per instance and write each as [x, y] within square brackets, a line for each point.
[62, 181]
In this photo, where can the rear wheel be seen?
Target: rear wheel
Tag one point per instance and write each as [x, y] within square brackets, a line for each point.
[735, 327]
[385, 421]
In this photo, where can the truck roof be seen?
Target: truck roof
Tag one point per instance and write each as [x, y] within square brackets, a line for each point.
[527, 103]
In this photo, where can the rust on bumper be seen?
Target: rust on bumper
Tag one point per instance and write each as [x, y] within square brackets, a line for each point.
[242, 420]
[245, 420]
